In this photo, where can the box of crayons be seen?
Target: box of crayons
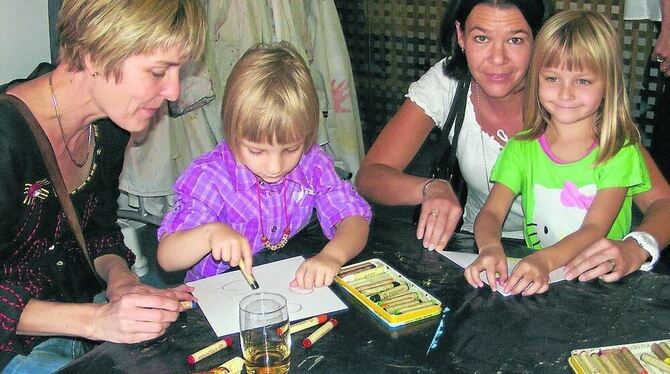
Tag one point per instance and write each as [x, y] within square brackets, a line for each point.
[390, 296]
[647, 357]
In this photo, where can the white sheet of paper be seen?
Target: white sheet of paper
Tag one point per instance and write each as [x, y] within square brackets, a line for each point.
[465, 259]
[219, 296]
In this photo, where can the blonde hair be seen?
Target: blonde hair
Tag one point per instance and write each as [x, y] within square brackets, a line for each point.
[582, 40]
[270, 98]
[110, 31]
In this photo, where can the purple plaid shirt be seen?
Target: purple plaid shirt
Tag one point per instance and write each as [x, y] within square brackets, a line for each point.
[216, 188]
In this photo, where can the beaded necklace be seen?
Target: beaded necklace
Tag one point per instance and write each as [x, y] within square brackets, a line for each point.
[285, 233]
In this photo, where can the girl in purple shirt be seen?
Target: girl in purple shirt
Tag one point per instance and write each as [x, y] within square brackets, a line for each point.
[259, 188]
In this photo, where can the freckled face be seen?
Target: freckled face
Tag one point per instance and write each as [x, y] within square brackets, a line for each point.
[498, 43]
[148, 80]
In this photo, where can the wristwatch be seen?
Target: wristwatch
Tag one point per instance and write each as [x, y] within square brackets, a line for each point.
[649, 244]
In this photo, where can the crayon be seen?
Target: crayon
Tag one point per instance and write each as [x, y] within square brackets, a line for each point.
[319, 333]
[582, 363]
[209, 350]
[637, 367]
[381, 282]
[188, 304]
[389, 293]
[414, 308]
[365, 273]
[655, 362]
[609, 363]
[598, 363]
[658, 351]
[354, 270]
[396, 297]
[590, 366]
[410, 297]
[665, 348]
[372, 279]
[667, 360]
[302, 325]
[380, 288]
[615, 356]
[249, 277]
[233, 366]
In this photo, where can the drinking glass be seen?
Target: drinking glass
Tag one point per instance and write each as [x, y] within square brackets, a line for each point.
[264, 333]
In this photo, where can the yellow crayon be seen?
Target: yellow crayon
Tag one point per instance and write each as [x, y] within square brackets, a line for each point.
[319, 333]
[364, 274]
[375, 284]
[209, 350]
[249, 277]
[410, 297]
[655, 362]
[232, 366]
[598, 363]
[587, 361]
[380, 288]
[188, 304]
[302, 325]
[666, 349]
[414, 308]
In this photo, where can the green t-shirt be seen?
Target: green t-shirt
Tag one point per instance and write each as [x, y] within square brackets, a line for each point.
[555, 196]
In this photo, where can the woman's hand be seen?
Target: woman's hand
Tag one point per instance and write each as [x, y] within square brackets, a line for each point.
[440, 213]
[134, 317]
[491, 260]
[530, 276]
[609, 260]
[317, 271]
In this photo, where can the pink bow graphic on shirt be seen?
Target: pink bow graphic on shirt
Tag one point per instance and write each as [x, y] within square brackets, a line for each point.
[571, 197]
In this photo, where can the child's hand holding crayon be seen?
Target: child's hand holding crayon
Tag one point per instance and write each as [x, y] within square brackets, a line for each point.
[491, 260]
[229, 245]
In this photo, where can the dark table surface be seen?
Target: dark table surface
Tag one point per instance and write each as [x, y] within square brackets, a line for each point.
[483, 332]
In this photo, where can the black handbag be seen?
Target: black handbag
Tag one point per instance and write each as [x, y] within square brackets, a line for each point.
[445, 164]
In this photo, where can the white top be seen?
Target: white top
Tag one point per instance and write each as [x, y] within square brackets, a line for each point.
[477, 151]
[642, 9]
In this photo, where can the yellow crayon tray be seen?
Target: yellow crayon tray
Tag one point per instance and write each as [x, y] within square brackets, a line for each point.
[431, 308]
[636, 349]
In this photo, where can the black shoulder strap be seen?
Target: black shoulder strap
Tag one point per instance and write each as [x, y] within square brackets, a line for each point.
[56, 177]
[446, 152]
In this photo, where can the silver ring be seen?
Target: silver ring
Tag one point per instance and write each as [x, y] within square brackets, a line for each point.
[434, 213]
[660, 59]
[613, 265]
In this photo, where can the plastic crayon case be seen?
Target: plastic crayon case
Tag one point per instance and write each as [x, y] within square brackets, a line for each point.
[391, 297]
[647, 357]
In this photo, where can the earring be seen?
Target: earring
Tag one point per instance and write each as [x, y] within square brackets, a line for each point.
[95, 75]
[463, 50]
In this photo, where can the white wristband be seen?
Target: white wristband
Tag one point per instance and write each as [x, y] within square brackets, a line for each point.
[647, 243]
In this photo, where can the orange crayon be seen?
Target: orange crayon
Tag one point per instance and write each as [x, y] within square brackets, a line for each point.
[635, 364]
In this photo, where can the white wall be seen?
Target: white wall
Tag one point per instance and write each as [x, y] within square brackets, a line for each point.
[24, 40]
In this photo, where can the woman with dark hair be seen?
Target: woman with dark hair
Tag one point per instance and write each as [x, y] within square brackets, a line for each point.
[488, 45]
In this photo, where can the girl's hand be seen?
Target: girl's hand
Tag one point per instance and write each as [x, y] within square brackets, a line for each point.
[491, 260]
[229, 245]
[530, 276]
[440, 213]
[133, 318]
[317, 271]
